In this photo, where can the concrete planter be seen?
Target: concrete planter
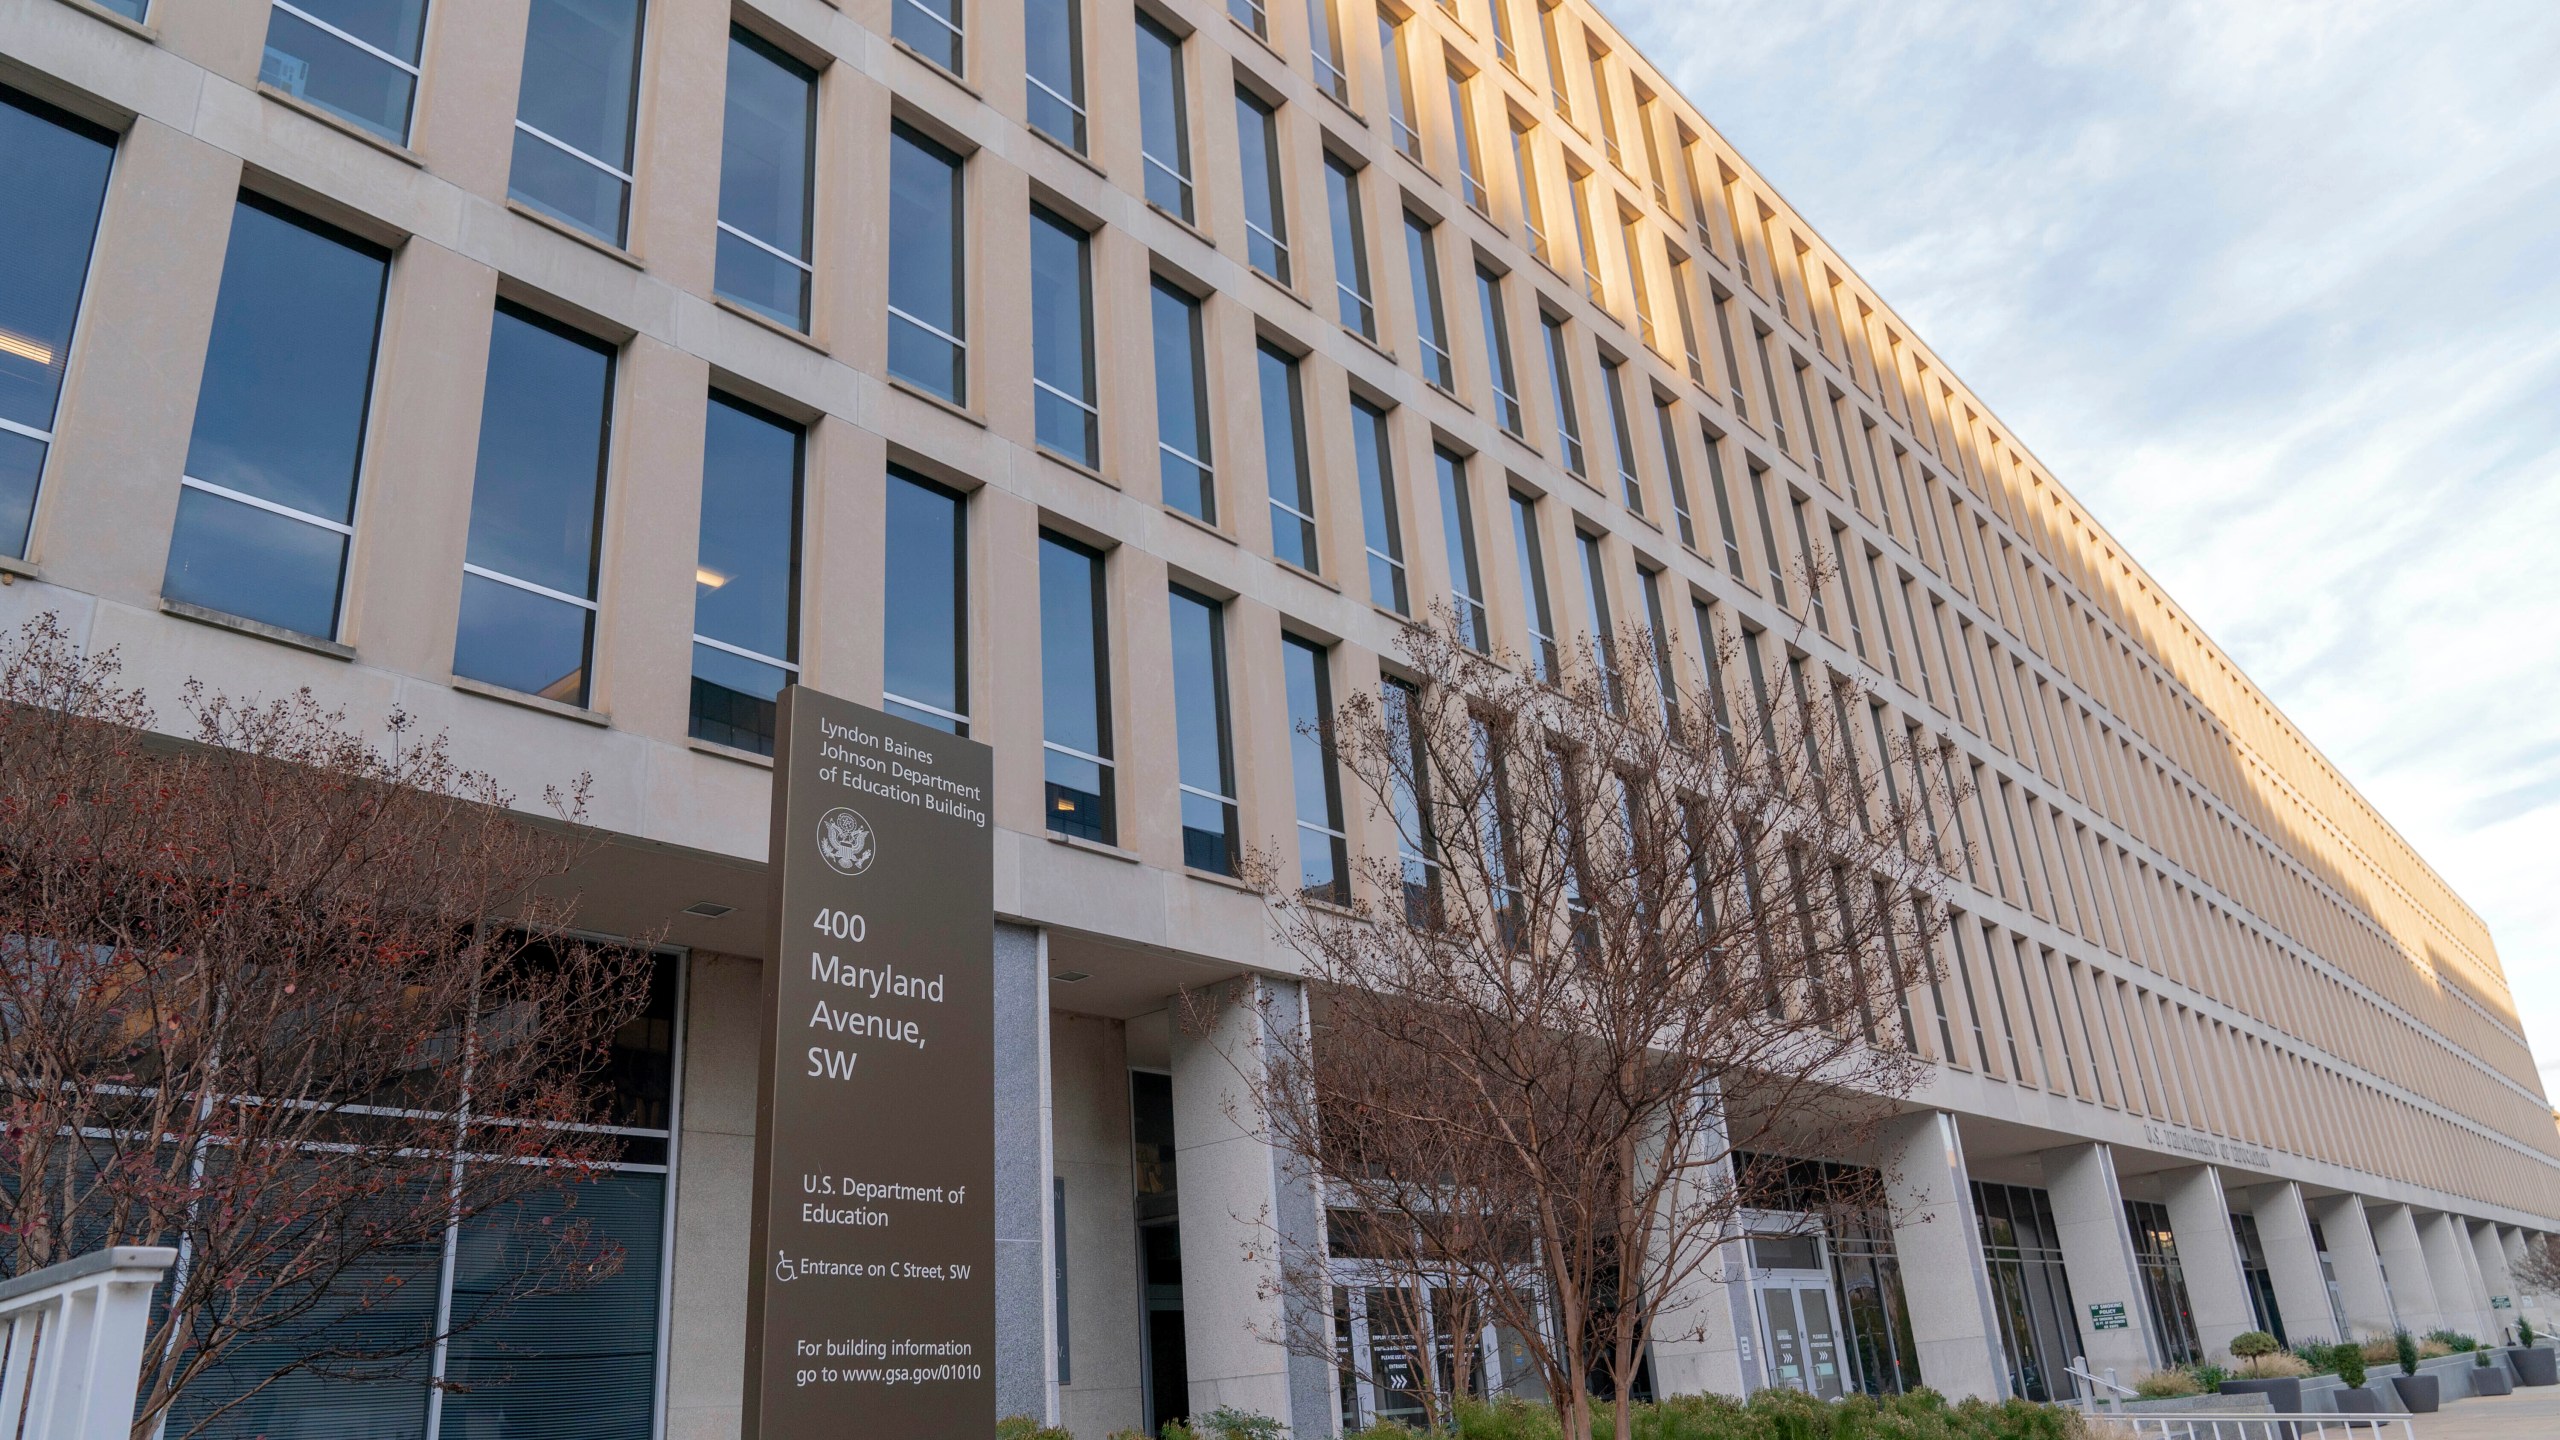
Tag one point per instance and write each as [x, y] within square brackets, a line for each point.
[2539, 1365]
[2284, 1393]
[2417, 1393]
[2491, 1379]
[2356, 1400]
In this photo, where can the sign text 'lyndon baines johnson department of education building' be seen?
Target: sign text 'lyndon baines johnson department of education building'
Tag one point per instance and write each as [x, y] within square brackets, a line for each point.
[1106, 382]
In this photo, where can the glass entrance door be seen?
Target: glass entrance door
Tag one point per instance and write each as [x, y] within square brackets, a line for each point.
[1799, 1332]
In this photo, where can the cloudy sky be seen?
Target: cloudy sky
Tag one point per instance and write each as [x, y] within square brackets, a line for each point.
[2274, 287]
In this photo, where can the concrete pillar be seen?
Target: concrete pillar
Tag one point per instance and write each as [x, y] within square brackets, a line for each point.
[2462, 1302]
[2352, 1254]
[1242, 1209]
[2097, 1252]
[2293, 1263]
[2500, 1283]
[2404, 1265]
[1938, 1241]
[1026, 1258]
[1697, 1345]
[2200, 1217]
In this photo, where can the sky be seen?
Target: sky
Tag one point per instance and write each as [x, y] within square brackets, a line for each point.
[2274, 288]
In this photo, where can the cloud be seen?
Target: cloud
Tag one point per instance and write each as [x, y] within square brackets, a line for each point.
[2275, 289]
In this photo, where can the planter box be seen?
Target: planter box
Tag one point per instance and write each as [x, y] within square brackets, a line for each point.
[2417, 1393]
[2284, 1393]
[2491, 1380]
[2537, 1366]
[2356, 1400]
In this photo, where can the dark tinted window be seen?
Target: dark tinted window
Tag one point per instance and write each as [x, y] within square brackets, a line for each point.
[574, 111]
[1075, 690]
[1209, 832]
[926, 609]
[746, 575]
[766, 138]
[53, 168]
[267, 504]
[925, 316]
[359, 63]
[1182, 403]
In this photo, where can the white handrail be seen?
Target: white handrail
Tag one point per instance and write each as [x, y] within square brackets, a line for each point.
[71, 1344]
[2088, 1398]
[2260, 1426]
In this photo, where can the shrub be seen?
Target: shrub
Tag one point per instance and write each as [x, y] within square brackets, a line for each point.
[2347, 1358]
[1023, 1427]
[2453, 1341]
[2404, 1350]
[1384, 1430]
[2379, 1351]
[2524, 1332]
[2250, 1344]
[2167, 1385]
[2282, 1365]
[1227, 1423]
[2315, 1354]
[2480, 1357]
[1509, 1418]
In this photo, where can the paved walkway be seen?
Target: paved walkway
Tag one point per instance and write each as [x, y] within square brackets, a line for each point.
[2528, 1414]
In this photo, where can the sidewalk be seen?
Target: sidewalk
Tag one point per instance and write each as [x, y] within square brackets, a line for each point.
[2528, 1414]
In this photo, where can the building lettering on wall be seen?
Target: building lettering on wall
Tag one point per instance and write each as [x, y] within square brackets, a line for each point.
[871, 1301]
[2206, 1147]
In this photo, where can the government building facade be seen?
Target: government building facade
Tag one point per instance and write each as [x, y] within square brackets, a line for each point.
[1112, 381]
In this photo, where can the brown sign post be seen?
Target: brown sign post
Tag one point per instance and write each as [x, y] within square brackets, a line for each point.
[871, 1299]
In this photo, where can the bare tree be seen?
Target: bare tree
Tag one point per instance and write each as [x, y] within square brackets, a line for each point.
[1635, 930]
[290, 1003]
[2538, 1272]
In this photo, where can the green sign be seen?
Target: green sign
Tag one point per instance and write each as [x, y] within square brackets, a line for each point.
[2501, 1302]
[2108, 1315]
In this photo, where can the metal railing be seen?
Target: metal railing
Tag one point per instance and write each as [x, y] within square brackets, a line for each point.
[2250, 1427]
[2113, 1424]
[71, 1344]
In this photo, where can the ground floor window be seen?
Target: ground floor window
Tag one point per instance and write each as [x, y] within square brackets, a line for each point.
[582, 1365]
[1883, 1358]
[2165, 1305]
[2260, 1280]
[2039, 1333]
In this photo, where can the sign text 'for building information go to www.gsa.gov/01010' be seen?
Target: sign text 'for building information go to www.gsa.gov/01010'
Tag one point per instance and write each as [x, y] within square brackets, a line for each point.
[871, 1303]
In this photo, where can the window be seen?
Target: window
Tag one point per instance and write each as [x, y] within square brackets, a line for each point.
[1524, 163]
[1284, 459]
[1375, 456]
[1682, 296]
[1551, 25]
[574, 110]
[1324, 864]
[358, 62]
[924, 608]
[1724, 502]
[1258, 154]
[1182, 404]
[1732, 365]
[927, 313]
[1769, 535]
[767, 139]
[1350, 247]
[1671, 470]
[1631, 243]
[1578, 188]
[1053, 52]
[1812, 570]
[1206, 754]
[54, 169]
[1533, 588]
[537, 502]
[1664, 684]
[1652, 148]
[1604, 625]
[1503, 50]
[1804, 398]
[1429, 322]
[266, 507]
[1560, 381]
[1075, 691]
[1613, 381]
[1712, 671]
[1769, 384]
[1324, 36]
[1062, 340]
[1608, 112]
[1497, 352]
[1251, 15]
[931, 28]
[1416, 853]
[746, 575]
[1164, 119]
[1399, 86]
[1458, 533]
[1462, 131]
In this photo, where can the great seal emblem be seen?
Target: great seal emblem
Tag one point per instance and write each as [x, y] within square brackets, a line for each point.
[845, 841]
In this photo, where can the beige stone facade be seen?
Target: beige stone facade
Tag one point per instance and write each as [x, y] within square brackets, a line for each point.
[2190, 953]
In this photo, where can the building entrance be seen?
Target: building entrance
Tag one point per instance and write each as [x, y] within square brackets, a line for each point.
[1798, 1319]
